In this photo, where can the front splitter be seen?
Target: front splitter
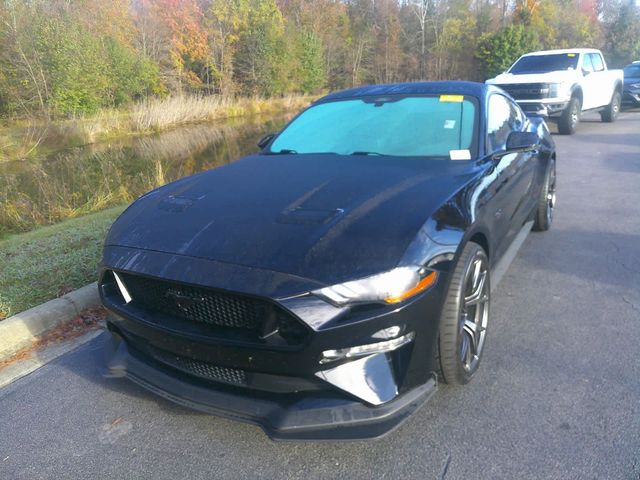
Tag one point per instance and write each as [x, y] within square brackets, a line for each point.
[310, 418]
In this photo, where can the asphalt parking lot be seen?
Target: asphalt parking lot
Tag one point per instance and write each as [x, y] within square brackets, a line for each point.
[557, 396]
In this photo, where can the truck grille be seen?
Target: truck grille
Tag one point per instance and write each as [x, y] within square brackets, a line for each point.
[219, 312]
[527, 91]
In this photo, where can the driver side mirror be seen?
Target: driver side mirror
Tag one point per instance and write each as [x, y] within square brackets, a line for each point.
[518, 142]
[264, 141]
[522, 142]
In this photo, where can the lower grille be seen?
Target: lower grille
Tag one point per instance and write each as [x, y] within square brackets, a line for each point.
[201, 369]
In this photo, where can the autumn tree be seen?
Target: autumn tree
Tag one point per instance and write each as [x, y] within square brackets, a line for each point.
[261, 61]
[622, 27]
[180, 44]
[225, 22]
[497, 51]
[65, 57]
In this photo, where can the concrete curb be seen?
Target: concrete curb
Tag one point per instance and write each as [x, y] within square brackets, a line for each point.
[20, 330]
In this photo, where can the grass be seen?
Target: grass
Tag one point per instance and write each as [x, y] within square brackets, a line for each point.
[156, 115]
[51, 261]
[29, 138]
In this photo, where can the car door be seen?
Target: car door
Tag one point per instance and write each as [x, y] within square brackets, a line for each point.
[603, 89]
[590, 83]
[513, 172]
[524, 177]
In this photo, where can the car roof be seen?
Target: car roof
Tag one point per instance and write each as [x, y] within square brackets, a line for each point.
[561, 51]
[478, 90]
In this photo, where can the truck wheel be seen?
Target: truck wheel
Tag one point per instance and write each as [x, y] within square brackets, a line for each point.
[570, 117]
[463, 321]
[610, 113]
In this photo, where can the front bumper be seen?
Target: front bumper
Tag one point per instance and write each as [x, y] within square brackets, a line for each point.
[184, 359]
[544, 108]
[631, 98]
[309, 416]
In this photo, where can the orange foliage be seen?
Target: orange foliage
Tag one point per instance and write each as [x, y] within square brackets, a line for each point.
[182, 24]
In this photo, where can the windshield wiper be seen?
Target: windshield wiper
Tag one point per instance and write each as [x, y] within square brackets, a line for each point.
[367, 153]
[285, 151]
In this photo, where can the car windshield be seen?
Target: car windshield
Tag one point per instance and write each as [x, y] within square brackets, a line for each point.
[632, 71]
[437, 127]
[545, 63]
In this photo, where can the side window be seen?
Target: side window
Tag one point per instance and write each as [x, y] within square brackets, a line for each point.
[587, 66]
[596, 60]
[503, 117]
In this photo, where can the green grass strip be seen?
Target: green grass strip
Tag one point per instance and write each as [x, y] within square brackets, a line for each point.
[40, 265]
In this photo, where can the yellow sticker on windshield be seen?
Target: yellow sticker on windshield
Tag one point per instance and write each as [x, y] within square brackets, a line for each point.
[452, 98]
[571, 54]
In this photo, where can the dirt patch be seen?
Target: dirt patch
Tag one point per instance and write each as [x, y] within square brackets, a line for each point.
[87, 320]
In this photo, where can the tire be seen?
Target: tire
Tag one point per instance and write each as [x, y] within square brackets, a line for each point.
[610, 113]
[543, 216]
[570, 117]
[454, 365]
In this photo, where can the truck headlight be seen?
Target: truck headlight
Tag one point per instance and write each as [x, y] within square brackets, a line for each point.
[554, 90]
[390, 287]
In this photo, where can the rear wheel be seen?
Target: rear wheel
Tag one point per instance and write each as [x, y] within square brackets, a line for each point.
[570, 117]
[610, 113]
[464, 318]
[546, 203]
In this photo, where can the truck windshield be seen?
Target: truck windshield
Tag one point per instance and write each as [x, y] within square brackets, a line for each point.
[416, 126]
[545, 63]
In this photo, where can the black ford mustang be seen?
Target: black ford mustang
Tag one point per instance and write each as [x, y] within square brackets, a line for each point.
[321, 287]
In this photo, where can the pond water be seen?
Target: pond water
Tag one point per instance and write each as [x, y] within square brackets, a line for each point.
[82, 180]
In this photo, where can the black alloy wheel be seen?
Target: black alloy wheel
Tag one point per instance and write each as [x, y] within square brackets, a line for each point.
[463, 324]
[547, 202]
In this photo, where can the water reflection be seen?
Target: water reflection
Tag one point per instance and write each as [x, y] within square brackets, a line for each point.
[87, 179]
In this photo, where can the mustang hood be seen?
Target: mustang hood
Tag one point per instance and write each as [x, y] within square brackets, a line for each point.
[323, 217]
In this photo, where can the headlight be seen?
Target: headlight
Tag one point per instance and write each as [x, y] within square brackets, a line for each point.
[555, 90]
[635, 87]
[389, 287]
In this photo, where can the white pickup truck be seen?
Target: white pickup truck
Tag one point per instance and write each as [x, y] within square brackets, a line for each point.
[561, 84]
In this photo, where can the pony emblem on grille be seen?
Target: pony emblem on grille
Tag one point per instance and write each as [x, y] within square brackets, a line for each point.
[183, 302]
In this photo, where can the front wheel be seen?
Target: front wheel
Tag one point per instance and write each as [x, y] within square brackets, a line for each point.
[464, 318]
[543, 216]
[570, 117]
[610, 113]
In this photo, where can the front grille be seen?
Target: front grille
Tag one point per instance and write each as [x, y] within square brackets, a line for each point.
[201, 369]
[194, 303]
[218, 312]
[527, 91]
